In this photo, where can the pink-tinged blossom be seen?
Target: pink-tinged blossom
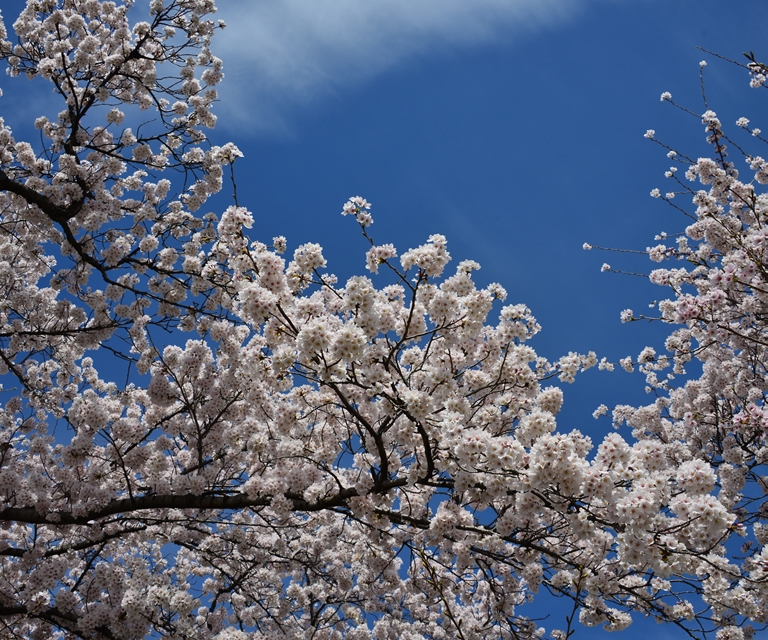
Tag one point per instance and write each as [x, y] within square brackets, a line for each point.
[627, 364]
[377, 255]
[600, 411]
[358, 207]
[430, 258]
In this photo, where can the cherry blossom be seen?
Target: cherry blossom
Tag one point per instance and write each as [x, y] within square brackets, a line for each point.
[205, 435]
[712, 425]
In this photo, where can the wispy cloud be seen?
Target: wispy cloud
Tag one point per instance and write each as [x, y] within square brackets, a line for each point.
[279, 54]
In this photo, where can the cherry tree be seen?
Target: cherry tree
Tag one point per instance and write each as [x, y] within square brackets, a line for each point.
[202, 438]
[716, 424]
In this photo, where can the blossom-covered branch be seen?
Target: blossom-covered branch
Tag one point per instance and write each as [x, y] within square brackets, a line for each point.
[200, 437]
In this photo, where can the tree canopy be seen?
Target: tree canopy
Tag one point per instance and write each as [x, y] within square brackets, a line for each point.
[200, 437]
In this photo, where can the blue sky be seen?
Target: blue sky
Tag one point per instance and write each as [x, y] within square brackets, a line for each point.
[514, 127]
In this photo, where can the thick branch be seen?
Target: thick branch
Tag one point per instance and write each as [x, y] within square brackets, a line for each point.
[53, 211]
[30, 515]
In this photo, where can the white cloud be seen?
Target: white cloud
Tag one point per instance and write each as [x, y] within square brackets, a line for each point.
[282, 53]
